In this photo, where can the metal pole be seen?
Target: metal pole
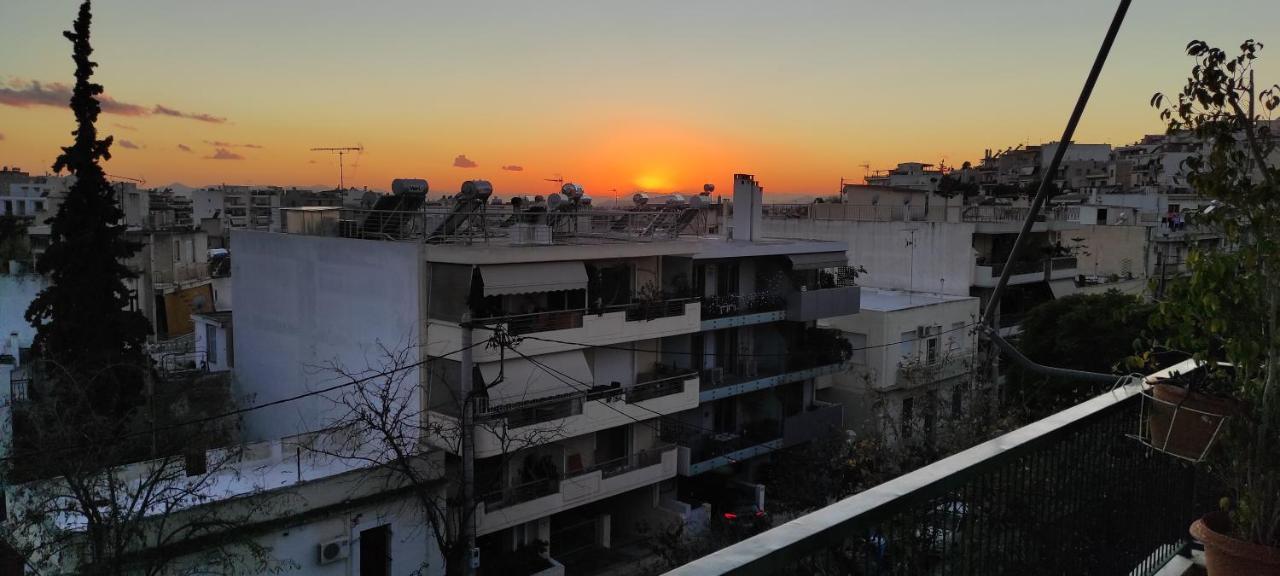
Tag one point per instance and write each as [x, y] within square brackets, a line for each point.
[1043, 192]
[466, 526]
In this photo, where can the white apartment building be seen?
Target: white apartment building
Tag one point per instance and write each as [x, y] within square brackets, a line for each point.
[648, 352]
[910, 375]
[948, 249]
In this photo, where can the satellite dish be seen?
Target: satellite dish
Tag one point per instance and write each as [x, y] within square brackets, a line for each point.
[585, 200]
[707, 189]
[677, 200]
[556, 201]
[640, 198]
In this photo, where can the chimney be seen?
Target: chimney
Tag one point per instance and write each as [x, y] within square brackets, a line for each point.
[748, 198]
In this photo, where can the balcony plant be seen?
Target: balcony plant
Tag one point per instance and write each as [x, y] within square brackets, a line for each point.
[1228, 310]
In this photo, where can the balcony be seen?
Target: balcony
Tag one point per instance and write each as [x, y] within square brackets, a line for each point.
[816, 422]
[749, 375]
[578, 412]
[1070, 494]
[742, 310]
[913, 374]
[701, 452]
[986, 275]
[1009, 219]
[523, 503]
[808, 305]
[563, 330]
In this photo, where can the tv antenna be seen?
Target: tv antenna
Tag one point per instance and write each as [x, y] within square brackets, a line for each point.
[134, 180]
[866, 170]
[341, 151]
[558, 179]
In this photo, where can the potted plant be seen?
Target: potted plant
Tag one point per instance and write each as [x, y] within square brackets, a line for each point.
[1228, 309]
[1186, 413]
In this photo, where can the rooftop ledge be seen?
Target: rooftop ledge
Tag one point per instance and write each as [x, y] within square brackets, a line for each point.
[1013, 504]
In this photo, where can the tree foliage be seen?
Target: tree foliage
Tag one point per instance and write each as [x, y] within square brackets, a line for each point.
[1093, 332]
[1229, 308]
[81, 320]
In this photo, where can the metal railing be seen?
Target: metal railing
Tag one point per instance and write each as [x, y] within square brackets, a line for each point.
[1070, 494]
[623, 464]
[442, 224]
[537, 321]
[511, 495]
[644, 311]
[18, 388]
[739, 304]
[1063, 263]
[662, 386]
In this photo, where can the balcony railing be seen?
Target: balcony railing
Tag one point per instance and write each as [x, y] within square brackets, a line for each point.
[518, 493]
[739, 304]
[623, 464]
[657, 388]
[1070, 494]
[1063, 263]
[18, 388]
[643, 311]
[537, 322]
[1023, 267]
[549, 408]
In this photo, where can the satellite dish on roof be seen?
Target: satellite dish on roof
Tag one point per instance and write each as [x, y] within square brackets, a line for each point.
[640, 198]
[707, 189]
[556, 201]
[571, 191]
[585, 200]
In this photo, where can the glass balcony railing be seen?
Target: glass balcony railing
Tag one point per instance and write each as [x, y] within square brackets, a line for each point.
[1073, 493]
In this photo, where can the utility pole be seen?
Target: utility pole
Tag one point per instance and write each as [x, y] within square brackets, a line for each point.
[467, 529]
[341, 151]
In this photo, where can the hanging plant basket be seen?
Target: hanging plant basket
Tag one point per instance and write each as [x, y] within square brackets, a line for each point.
[1182, 422]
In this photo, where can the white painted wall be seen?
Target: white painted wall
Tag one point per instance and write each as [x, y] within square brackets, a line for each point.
[16, 293]
[316, 301]
[218, 360]
[943, 250]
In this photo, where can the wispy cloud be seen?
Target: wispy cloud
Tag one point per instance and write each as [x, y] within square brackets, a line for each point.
[123, 126]
[513, 168]
[161, 110]
[25, 94]
[184, 148]
[221, 144]
[224, 154]
[127, 144]
[463, 162]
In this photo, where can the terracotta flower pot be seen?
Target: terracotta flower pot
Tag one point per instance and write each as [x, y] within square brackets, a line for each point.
[1228, 556]
[1192, 429]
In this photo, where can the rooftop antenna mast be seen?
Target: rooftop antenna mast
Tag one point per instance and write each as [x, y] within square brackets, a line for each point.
[341, 151]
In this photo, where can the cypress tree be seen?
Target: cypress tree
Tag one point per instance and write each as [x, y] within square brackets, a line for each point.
[85, 334]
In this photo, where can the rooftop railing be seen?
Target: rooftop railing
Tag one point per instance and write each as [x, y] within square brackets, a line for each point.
[443, 225]
[1073, 493]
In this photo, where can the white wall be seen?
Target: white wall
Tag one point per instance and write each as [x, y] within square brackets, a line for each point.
[218, 361]
[943, 250]
[316, 301]
[16, 294]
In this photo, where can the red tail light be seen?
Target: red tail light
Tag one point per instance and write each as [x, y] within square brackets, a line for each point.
[730, 516]
[759, 513]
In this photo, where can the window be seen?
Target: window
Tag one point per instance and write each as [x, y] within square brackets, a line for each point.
[177, 251]
[8, 206]
[375, 551]
[211, 343]
[957, 400]
[908, 409]
[931, 350]
[907, 345]
[859, 344]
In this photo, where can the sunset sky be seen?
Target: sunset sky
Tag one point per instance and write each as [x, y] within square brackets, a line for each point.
[613, 95]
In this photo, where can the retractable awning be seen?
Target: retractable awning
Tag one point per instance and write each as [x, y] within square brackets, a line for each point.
[522, 380]
[818, 261]
[535, 277]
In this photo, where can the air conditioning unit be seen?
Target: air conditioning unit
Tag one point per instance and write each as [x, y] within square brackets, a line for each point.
[334, 550]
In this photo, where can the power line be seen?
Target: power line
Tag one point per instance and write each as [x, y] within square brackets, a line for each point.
[248, 409]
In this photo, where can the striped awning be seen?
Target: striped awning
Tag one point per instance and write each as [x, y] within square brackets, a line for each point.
[534, 277]
[818, 261]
